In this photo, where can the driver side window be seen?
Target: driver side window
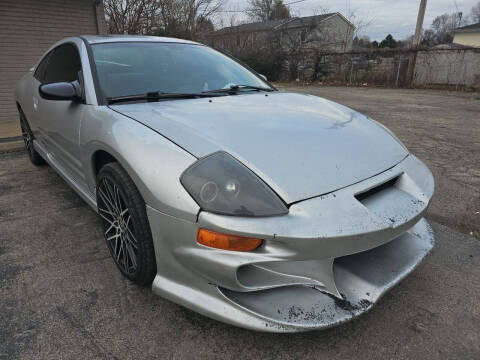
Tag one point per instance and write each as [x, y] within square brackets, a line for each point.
[63, 65]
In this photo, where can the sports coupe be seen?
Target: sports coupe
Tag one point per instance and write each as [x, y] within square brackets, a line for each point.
[268, 210]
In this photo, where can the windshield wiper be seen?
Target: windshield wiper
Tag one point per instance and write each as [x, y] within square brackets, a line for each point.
[156, 96]
[234, 88]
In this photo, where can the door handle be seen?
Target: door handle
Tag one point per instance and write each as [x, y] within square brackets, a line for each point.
[35, 103]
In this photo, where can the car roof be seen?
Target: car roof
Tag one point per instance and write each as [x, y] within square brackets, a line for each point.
[97, 39]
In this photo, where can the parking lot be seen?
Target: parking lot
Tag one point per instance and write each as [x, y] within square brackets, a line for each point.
[61, 296]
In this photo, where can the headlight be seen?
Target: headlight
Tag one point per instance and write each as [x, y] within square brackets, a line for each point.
[221, 184]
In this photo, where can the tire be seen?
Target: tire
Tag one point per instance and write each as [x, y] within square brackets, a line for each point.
[27, 135]
[125, 224]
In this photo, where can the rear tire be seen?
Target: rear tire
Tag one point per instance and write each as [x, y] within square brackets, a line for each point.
[125, 223]
[28, 138]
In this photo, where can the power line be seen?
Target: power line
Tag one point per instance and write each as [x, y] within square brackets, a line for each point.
[242, 11]
[295, 2]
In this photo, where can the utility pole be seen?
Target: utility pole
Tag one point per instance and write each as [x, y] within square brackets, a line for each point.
[416, 40]
[420, 17]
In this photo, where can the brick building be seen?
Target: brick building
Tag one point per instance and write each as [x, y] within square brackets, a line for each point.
[29, 27]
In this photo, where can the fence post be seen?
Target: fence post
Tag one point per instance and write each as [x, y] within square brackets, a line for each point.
[462, 69]
[351, 72]
[398, 71]
[412, 58]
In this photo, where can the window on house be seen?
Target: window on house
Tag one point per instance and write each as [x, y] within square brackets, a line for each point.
[303, 35]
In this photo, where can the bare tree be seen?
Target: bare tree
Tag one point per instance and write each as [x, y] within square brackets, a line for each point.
[170, 18]
[178, 18]
[443, 26]
[264, 10]
[475, 13]
[130, 16]
[196, 10]
[360, 24]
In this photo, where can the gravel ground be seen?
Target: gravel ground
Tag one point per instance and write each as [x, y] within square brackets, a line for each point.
[63, 298]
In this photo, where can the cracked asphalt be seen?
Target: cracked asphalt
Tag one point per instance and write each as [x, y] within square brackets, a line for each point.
[61, 296]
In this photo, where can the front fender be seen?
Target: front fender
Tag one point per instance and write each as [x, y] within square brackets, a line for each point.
[153, 162]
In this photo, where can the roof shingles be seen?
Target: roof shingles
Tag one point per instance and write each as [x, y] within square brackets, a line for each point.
[468, 28]
[274, 24]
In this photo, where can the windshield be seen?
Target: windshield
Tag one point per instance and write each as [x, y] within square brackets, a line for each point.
[128, 68]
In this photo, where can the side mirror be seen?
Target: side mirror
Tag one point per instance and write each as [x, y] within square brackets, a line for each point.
[61, 91]
[263, 77]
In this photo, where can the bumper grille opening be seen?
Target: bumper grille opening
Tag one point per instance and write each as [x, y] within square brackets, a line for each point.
[366, 194]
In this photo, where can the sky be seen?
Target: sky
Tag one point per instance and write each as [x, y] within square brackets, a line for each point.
[396, 17]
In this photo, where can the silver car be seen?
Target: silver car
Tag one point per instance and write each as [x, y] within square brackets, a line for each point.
[268, 210]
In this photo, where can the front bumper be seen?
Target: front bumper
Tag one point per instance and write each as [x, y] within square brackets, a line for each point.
[330, 259]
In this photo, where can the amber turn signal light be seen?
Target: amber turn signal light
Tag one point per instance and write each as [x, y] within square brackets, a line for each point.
[227, 242]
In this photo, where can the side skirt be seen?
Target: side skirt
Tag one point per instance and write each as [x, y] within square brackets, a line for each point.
[82, 191]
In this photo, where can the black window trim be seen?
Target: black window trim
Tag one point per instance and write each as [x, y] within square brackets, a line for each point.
[101, 100]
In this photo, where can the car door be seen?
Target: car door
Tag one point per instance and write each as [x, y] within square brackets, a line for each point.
[59, 121]
[30, 100]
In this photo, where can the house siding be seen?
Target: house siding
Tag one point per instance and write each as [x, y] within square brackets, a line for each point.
[467, 38]
[28, 28]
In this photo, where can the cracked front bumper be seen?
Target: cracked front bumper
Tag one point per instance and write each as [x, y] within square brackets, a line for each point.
[330, 259]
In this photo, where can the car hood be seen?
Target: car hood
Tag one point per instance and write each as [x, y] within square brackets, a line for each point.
[301, 145]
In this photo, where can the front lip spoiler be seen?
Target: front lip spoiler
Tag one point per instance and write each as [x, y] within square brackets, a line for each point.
[362, 279]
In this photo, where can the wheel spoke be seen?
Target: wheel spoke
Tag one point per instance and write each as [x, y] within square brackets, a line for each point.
[116, 246]
[130, 234]
[106, 200]
[116, 236]
[106, 219]
[130, 240]
[114, 197]
[111, 197]
[124, 253]
[108, 193]
[119, 250]
[117, 199]
[131, 255]
[106, 212]
[112, 226]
